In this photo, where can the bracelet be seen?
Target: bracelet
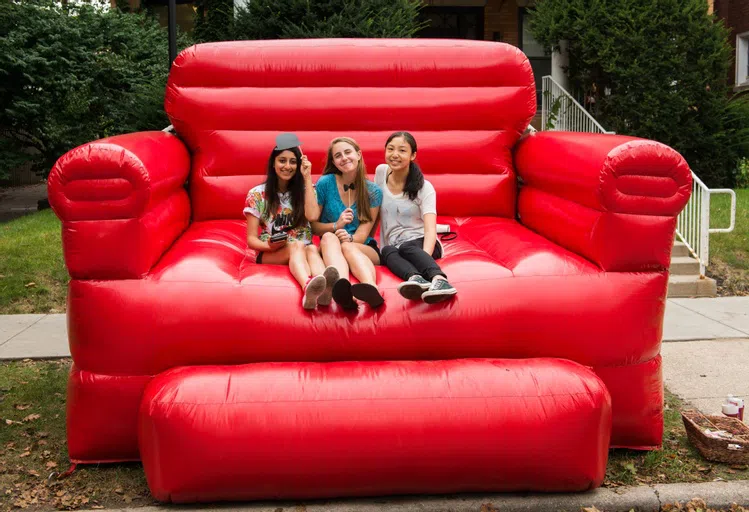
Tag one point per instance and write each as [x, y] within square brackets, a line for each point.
[334, 226]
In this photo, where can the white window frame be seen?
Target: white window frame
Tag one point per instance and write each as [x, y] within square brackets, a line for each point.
[742, 59]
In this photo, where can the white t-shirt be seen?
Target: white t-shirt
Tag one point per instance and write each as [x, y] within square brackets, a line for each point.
[401, 219]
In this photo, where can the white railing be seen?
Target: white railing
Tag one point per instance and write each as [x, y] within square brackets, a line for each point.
[693, 223]
[560, 111]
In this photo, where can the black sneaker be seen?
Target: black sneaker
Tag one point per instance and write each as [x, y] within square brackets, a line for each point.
[414, 287]
[342, 294]
[439, 290]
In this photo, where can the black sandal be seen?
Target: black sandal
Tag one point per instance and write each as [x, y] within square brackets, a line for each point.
[368, 293]
[342, 294]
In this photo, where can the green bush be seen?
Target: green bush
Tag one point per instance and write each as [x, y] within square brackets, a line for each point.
[657, 69]
[214, 20]
[75, 74]
[286, 19]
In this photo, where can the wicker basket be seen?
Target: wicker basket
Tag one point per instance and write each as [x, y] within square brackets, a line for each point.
[713, 449]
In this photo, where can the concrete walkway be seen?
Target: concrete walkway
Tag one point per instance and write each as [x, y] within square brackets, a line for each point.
[18, 201]
[705, 354]
[45, 336]
[718, 495]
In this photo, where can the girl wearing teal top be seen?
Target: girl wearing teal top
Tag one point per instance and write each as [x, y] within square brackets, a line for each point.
[347, 206]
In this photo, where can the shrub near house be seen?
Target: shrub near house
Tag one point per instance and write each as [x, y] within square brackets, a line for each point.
[656, 69]
[72, 75]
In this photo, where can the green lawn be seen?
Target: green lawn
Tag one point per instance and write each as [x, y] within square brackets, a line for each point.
[33, 278]
[729, 252]
[32, 446]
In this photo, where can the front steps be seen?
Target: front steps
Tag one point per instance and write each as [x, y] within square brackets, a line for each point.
[684, 279]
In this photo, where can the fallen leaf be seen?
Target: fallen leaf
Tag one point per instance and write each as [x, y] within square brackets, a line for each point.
[30, 285]
[32, 417]
[119, 490]
[704, 469]
[51, 465]
[42, 443]
[33, 473]
[590, 509]
[43, 434]
[97, 507]
[127, 498]
[24, 454]
[59, 494]
[10, 445]
[2, 276]
[730, 471]
[22, 407]
[46, 453]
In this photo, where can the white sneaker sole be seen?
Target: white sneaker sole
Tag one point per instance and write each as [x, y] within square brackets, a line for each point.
[312, 291]
[432, 297]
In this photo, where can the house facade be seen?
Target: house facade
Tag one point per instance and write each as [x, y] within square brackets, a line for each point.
[735, 14]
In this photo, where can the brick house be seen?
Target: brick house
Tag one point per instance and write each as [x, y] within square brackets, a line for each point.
[735, 14]
[490, 20]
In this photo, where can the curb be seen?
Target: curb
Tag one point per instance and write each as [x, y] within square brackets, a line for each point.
[640, 498]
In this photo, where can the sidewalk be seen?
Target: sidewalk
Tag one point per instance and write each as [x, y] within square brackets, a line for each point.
[705, 354]
[45, 336]
[718, 495]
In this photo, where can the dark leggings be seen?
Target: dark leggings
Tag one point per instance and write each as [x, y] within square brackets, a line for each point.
[410, 259]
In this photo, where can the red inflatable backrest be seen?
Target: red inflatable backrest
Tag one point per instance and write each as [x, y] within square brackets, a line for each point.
[466, 102]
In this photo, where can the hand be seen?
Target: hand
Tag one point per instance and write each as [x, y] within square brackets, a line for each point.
[306, 168]
[343, 235]
[347, 217]
[274, 246]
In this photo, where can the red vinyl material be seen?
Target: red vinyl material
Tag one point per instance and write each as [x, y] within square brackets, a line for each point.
[122, 203]
[306, 430]
[574, 265]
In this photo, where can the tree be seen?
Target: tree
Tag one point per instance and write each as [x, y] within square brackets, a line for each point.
[73, 74]
[656, 69]
[285, 19]
[214, 20]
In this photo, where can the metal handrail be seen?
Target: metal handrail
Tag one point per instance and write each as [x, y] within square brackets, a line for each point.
[560, 111]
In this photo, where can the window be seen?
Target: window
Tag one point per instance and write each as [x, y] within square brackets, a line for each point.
[742, 59]
[453, 22]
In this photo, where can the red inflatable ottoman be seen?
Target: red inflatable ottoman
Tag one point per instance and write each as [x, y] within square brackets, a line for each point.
[315, 430]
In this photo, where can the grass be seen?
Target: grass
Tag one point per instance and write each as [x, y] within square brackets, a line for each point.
[729, 252]
[678, 461]
[32, 445]
[33, 278]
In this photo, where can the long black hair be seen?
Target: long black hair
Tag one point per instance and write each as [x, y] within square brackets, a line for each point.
[295, 188]
[415, 178]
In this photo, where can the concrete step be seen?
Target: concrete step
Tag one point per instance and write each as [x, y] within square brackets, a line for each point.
[679, 250]
[684, 266]
[691, 286]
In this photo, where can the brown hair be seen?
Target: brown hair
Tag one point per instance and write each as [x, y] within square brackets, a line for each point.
[362, 192]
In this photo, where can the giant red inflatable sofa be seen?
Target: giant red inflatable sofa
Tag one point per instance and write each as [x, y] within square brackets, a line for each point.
[194, 359]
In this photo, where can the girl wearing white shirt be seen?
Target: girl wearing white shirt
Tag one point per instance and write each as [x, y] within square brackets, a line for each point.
[408, 223]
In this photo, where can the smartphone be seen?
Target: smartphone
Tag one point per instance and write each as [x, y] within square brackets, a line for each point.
[279, 237]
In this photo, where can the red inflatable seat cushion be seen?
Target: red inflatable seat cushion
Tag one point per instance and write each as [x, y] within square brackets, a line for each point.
[315, 430]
